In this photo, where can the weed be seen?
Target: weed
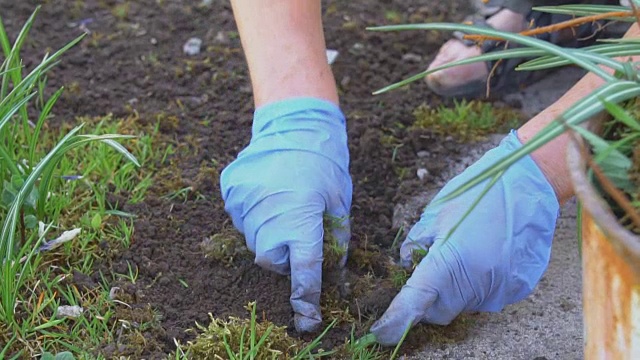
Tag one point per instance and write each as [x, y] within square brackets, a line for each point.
[225, 247]
[466, 121]
[248, 339]
[65, 355]
[399, 277]
[121, 11]
[417, 255]
[334, 253]
[393, 16]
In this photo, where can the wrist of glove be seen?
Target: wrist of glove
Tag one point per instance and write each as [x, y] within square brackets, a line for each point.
[495, 256]
[295, 169]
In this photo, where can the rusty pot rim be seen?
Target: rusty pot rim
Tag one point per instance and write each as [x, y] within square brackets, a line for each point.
[596, 205]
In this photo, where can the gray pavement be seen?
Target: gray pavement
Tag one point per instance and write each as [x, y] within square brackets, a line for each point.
[548, 324]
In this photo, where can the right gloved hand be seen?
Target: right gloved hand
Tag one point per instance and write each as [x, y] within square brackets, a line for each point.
[495, 257]
[295, 169]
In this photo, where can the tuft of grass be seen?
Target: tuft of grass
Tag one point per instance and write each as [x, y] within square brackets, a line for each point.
[466, 120]
[121, 11]
[249, 339]
[333, 251]
[50, 187]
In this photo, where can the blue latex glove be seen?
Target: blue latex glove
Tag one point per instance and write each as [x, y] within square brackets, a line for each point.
[494, 258]
[295, 169]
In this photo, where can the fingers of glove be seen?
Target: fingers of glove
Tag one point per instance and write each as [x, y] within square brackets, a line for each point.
[432, 294]
[420, 238]
[306, 263]
[287, 231]
[306, 280]
[406, 309]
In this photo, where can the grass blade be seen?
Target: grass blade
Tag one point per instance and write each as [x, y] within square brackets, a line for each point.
[582, 111]
[547, 62]
[585, 10]
[574, 56]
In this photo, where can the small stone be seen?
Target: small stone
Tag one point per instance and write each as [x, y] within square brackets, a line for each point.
[192, 46]
[153, 41]
[422, 173]
[411, 57]
[345, 81]
[72, 311]
[113, 293]
[332, 55]
[221, 37]
[423, 154]
[358, 46]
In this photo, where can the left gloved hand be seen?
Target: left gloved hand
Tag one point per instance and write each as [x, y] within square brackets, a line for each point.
[295, 170]
[495, 257]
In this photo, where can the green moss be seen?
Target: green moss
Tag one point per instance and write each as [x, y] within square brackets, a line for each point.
[333, 251]
[223, 337]
[466, 121]
[225, 247]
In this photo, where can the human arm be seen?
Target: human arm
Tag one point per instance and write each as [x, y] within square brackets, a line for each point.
[283, 42]
[551, 158]
[296, 167]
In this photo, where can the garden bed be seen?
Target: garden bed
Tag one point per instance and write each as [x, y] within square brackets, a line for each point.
[132, 65]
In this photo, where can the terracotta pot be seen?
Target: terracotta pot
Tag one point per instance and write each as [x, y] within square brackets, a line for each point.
[611, 274]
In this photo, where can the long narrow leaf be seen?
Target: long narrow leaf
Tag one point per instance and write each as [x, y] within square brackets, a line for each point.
[585, 10]
[122, 150]
[7, 235]
[621, 115]
[582, 111]
[494, 55]
[46, 110]
[576, 57]
[609, 50]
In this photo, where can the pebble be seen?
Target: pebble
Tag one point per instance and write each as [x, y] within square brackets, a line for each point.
[332, 55]
[192, 46]
[411, 57]
[422, 173]
[423, 154]
[72, 311]
[113, 293]
[221, 37]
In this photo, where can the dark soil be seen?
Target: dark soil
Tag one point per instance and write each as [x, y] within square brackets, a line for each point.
[132, 63]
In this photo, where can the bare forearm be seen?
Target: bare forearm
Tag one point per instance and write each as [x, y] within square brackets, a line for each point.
[284, 44]
[552, 156]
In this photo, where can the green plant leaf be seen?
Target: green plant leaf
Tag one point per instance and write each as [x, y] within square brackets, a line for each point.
[621, 115]
[96, 221]
[585, 10]
[47, 356]
[30, 222]
[584, 60]
[615, 91]
[614, 164]
[65, 355]
[552, 61]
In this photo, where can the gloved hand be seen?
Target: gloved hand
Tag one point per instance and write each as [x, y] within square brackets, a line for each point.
[295, 169]
[495, 257]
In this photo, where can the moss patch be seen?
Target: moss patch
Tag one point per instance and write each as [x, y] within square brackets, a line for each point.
[466, 121]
